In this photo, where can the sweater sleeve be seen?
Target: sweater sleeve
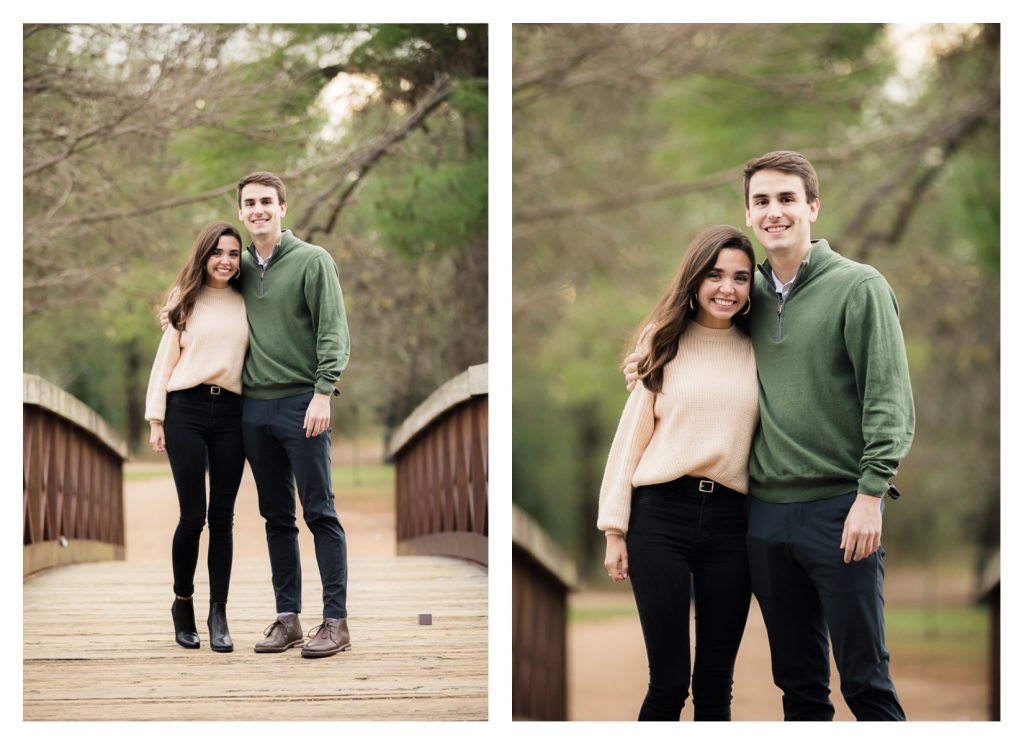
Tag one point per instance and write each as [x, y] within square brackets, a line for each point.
[322, 289]
[167, 356]
[636, 427]
[874, 342]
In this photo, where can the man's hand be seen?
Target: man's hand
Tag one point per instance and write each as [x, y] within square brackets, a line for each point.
[615, 559]
[156, 437]
[318, 415]
[630, 365]
[862, 532]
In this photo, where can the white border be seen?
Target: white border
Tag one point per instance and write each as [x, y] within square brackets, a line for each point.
[500, 16]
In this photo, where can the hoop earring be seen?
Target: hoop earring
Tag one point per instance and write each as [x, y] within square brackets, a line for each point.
[239, 274]
[691, 302]
[750, 305]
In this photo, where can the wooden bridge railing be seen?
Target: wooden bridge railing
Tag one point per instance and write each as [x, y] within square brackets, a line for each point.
[542, 578]
[73, 508]
[440, 455]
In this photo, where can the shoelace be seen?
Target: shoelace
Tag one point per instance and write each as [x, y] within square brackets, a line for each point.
[315, 631]
[269, 630]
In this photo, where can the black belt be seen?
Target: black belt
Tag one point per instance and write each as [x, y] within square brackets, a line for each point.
[707, 486]
[208, 391]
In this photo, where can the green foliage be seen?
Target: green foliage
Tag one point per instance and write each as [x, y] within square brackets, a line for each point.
[970, 202]
[432, 207]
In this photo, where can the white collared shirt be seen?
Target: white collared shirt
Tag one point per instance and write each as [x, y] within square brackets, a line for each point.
[783, 289]
[263, 262]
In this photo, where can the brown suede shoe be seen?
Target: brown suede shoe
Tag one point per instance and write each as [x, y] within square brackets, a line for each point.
[284, 633]
[328, 638]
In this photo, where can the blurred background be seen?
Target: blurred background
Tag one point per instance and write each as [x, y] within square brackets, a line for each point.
[627, 141]
[135, 135]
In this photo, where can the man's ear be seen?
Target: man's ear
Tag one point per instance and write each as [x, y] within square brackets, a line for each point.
[814, 207]
[750, 223]
[284, 208]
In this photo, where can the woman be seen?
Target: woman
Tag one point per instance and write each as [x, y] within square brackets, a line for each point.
[194, 408]
[673, 495]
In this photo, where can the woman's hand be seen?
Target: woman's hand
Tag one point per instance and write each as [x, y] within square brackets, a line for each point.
[629, 369]
[156, 437]
[615, 559]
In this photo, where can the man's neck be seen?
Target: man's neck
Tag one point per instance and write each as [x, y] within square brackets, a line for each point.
[785, 265]
[265, 245]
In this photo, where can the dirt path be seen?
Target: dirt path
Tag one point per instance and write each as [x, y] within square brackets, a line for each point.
[608, 674]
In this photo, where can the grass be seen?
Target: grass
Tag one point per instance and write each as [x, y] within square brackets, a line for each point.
[145, 475]
[364, 485]
[604, 604]
[938, 637]
[604, 613]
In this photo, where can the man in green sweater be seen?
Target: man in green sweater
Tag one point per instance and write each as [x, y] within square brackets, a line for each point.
[298, 346]
[837, 417]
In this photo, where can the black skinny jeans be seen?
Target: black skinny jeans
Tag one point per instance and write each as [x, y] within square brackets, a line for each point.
[203, 428]
[675, 531]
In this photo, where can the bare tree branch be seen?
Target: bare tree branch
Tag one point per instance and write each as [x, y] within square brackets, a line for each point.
[364, 159]
[949, 133]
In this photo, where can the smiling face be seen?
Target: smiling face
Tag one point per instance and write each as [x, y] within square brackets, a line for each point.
[725, 289]
[780, 214]
[261, 211]
[222, 261]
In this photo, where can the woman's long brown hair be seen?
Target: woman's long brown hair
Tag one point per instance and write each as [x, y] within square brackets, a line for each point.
[192, 276]
[665, 325]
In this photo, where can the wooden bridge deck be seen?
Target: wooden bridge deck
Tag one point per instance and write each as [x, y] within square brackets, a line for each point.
[99, 645]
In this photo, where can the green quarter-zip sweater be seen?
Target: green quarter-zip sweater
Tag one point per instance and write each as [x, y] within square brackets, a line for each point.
[837, 413]
[298, 331]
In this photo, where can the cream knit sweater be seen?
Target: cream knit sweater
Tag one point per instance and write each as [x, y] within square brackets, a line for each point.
[210, 350]
[701, 424]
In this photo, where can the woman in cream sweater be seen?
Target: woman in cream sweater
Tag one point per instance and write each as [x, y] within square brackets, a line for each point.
[673, 495]
[194, 408]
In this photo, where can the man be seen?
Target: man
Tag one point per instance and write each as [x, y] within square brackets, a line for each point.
[298, 347]
[837, 417]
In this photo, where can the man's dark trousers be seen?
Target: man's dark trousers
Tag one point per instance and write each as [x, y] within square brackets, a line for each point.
[807, 594]
[283, 458]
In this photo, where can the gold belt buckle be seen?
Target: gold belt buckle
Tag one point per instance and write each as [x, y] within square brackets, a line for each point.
[706, 486]
[214, 390]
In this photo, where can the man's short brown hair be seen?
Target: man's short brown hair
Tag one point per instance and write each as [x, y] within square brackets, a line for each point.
[266, 179]
[786, 161]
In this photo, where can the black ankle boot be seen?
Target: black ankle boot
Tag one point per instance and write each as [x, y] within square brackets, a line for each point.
[217, 623]
[184, 616]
